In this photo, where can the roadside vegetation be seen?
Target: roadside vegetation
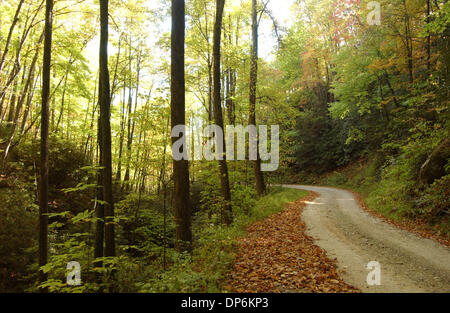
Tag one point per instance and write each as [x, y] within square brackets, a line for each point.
[389, 192]
[374, 110]
[91, 90]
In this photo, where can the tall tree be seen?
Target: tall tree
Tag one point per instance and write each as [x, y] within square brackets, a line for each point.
[259, 177]
[218, 118]
[99, 207]
[230, 72]
[182, 201]
[408, 43]
[125, 185]
[105, 114]
[45, 113]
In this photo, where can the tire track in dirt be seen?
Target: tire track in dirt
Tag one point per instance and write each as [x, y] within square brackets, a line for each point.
[409, 263]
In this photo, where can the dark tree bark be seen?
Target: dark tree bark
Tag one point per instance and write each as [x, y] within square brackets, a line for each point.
[45, 112]
[218, 118]
[182, 201]
[259, 177]
[2, 101]
[99, 207]
[105, 113]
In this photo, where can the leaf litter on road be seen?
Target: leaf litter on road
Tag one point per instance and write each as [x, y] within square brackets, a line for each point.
[277, 256]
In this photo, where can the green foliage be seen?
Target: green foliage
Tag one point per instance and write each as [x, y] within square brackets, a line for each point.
[390, 184]
[316, 134]
[141, 230]
[335, 179]
[18, 236]
[71, 182]
[435, 201]
[65, 161]
[362, 95]
[214, 249]
[339, 89]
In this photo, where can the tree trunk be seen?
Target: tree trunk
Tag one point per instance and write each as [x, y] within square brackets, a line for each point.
[28, 105]
[163, 165]
[89, 138]
[409, 44]
[231, 79]
[182, 201]
[259, 177]
[121, 137]
[12, 102]
[61, 111]
[105, 113]
[125, 185]
[99, 207]
[114, 83]
[209, 65]
[131, 124]
[218, 118]
[43, 194]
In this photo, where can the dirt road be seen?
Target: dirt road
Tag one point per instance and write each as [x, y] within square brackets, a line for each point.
[408, 263]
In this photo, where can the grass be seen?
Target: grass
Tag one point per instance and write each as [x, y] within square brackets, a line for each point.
[271, 204]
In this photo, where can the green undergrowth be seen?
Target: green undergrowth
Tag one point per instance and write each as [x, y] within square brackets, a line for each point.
[389, 188]
[215, 247]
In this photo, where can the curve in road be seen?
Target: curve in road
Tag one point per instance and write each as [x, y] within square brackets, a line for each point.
[408, 263]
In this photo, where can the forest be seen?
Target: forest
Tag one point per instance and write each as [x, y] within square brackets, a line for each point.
[91, 90]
